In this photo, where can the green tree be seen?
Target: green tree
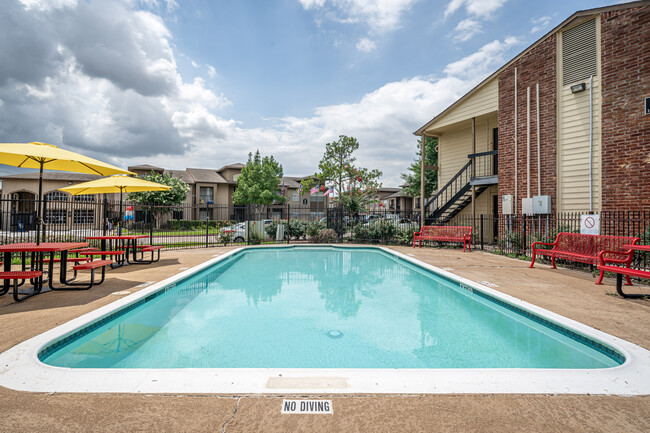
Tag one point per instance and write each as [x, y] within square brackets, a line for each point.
[412, 177]
[354, 187]
[258, 182]
[163, 201]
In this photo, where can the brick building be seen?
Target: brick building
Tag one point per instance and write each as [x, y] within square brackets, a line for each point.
[564, 121]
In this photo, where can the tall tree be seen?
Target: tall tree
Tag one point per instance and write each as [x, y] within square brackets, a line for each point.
[354, 187]
[412, 177]
[258, 182]
[163, 202]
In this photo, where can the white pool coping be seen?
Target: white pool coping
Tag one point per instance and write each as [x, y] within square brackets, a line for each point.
[20, 368]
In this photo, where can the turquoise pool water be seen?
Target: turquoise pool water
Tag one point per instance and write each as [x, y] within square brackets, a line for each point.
[324, 307]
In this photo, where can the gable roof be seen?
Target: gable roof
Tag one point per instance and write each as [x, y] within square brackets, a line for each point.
[577, 15]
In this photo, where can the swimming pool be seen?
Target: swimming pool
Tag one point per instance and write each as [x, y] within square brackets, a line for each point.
[335, 319]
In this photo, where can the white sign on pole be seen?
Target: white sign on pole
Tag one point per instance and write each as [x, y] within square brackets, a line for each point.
[589, 224]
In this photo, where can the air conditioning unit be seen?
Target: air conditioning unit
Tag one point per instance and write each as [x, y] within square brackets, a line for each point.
[506, 204]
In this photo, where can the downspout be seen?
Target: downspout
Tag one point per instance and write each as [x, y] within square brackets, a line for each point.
[528, 142]
[539, 152]
[422, 147]
[516, 155]
[591, 141]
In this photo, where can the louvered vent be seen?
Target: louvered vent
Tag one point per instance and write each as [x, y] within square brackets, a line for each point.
[579, 52]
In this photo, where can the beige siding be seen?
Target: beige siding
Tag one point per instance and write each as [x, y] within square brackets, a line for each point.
[485, 100]
[454, 146]
[573, 143]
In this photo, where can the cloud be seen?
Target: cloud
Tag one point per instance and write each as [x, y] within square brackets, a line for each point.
[380, 15]
[485, 60]
[540, 23]
[476, 8]
[101, 78]
[476, 11]
[466, 29]
[366, 45]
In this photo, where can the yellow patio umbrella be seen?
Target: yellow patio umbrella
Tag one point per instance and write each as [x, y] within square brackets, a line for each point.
[116, 185]
[47, 156]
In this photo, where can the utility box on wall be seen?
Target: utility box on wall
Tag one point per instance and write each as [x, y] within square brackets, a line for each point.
[542, 204]
[527, 206]
[506, 204]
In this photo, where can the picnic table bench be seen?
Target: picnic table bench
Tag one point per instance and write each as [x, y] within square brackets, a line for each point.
[587, 249]
[620, 271]
[444, 234]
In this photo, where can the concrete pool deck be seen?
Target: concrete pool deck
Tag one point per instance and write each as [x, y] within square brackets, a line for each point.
[570, 293]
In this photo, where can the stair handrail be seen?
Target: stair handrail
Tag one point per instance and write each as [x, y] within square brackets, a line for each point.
[443, 190]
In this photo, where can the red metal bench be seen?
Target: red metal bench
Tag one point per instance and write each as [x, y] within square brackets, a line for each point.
[586, 249]
[444, 234]
[150, 249]
[20, 275]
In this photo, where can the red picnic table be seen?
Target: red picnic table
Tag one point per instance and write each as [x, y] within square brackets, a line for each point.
[126, 243]
[37, 261]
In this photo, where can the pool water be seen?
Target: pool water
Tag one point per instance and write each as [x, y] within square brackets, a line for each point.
[322, 307]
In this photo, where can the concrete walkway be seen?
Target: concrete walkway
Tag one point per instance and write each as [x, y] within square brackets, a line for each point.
[566, 292]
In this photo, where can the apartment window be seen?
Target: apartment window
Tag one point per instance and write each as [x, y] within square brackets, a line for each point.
[85, 198]
[579, 52]
[294, 196]
[56, 216]
[206, 194]
[56, 196]
[83, 216]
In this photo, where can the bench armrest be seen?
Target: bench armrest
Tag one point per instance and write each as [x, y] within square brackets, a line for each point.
[550, 244]
[417, 233]
[603, 260]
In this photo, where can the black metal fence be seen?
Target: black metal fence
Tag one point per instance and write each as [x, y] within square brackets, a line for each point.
[206, 225]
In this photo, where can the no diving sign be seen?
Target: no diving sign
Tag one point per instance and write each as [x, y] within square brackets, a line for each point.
[589, 224]
[307, 406]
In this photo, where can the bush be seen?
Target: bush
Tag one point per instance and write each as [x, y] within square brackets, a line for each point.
[404, 236]
[314, 228]
[195, 225]
[375, 231]
[225, 238]
[296, 229]
[327, 236]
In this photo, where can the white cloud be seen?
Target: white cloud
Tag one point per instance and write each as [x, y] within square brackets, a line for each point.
[381, 15]
[466, 29]
[485, 60]
[540, 23]
[476, 10]
[366, 45]
[212, 72]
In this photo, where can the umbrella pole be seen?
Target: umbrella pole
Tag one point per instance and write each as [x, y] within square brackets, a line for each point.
[119, 226]
[39, 219]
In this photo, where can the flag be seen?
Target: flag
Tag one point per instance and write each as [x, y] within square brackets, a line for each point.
[299, 189]
[329, 191]
[314, 190]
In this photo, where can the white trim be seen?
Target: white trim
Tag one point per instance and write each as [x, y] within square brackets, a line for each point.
[21, 370]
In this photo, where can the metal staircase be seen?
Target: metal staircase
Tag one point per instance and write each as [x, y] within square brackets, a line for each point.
[457, 193]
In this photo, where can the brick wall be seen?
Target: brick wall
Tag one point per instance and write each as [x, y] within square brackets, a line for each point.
[536, 66]
[625, 38]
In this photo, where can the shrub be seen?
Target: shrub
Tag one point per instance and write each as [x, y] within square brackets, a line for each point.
[375, 231]
[313, 228]
[225, 238]
[327, 236]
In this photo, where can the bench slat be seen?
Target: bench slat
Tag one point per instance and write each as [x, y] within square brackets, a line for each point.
[93, 265]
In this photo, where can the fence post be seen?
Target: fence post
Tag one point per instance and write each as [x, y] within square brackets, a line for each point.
[524, 242]
[151, 223]
[207, 225]
[288, 219]
[481, 219]
[248, 223]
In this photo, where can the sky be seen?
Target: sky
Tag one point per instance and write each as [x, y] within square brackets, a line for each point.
[201, 83]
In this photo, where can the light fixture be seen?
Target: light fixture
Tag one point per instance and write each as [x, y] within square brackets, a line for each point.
[578, 87]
